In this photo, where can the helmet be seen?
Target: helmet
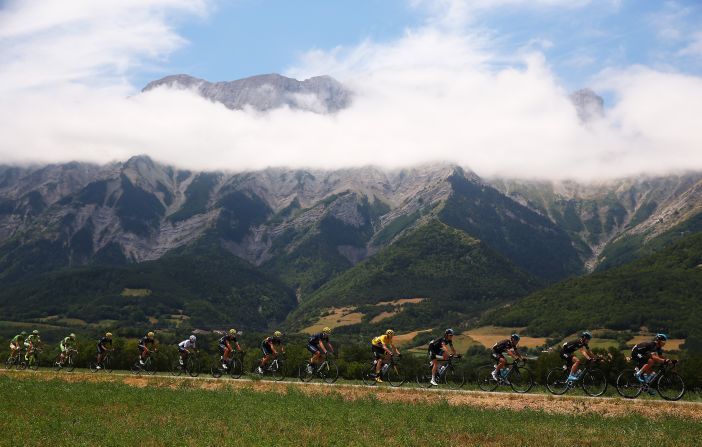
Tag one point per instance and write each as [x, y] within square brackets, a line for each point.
[277, 334]
[72, 336]
[448, 331]
[661, 337]
[515, 337]
[35, 332]
[326, 330]
[150, 334]
[389, 332]
[192, 338]
[24, 333]
[232, 331]
[108, 335]
[587, 335]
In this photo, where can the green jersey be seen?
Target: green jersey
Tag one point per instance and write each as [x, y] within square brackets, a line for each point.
[17, 339]
[66, 343]
[33, 339]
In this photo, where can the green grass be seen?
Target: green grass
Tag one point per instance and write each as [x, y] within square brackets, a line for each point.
[82, 413]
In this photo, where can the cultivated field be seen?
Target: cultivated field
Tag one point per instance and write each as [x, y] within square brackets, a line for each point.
[86, 409]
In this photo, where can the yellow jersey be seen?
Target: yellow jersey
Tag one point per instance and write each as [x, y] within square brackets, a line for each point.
[382, 340]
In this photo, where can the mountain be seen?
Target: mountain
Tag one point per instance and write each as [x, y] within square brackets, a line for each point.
[588, 104]
[451, 277]
[201, 286]
[611, 221]
[659, 292]
[320, 94]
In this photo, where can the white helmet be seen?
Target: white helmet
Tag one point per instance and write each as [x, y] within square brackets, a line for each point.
[193, 338]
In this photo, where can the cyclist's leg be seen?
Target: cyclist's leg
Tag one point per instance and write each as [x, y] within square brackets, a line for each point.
[316, 355]
[575, 364]
[500, 359]
[267, 353]
[379, 355]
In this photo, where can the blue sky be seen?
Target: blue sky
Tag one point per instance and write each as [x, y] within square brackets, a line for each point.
[239, 38]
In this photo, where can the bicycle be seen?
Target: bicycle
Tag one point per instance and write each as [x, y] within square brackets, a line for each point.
[68, 362]
[327, 370]
[235, 366]
[591, 379]
[104, 365]
[148, 367]
[32, 358]
[274, 368]
[668, 383]
[190, 366]
[447, 373]
[390, 373]
[16, 360]
[514, 374]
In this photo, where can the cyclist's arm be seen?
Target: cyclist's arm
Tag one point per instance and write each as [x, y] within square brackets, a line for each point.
[322, 347]
[395, 348]
[658, 357]
[238, 347]
[331, 348]
[587, 353]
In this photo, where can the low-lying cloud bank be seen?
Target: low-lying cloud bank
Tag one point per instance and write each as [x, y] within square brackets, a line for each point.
[438, 93]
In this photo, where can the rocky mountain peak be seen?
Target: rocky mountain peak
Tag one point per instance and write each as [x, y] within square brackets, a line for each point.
[319, 94]
[588, 104]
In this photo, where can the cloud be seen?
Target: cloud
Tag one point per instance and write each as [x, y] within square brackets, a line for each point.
[433, 94]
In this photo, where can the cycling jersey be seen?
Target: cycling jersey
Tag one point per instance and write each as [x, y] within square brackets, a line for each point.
[17, 339]
[277, 341]
[436, 346]
[32, 339]
[381, 340]
[146, 341]
[315, 339]
[227, 340]
[66, 344]
[647, 347]
[102, 344]
[504, 346]
[572, 346]
[186, 344]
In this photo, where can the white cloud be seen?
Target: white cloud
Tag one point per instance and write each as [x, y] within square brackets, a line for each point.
[432, 95]
[694, 47]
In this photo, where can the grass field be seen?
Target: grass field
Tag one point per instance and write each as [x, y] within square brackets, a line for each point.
[130, 411]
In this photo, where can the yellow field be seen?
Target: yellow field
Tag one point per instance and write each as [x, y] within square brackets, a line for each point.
[673, 344]
[382, 316]
[342, 316]
[401, 301]
[136, 292]
[403, 339]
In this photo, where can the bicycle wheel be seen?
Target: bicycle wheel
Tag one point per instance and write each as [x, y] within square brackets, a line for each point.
[628, 385]
[57, 365]
[193, 367]
[368, 376]
[594, 382]
[71, 362]
[216, 370]
[485, 380]
[557, 380]
[424, 377]
[177, 369]
[236, 369]
[107, 365]
[9, 363]
[671, 386]
[93, 367]
[521, 380]
[454, 378]
[149, 367]
[329, 372]
[304, 373]
[277, 372]
[394, 376]
[136, 368]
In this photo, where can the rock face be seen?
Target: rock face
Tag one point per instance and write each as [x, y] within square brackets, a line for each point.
[320, 94]
[588, 104]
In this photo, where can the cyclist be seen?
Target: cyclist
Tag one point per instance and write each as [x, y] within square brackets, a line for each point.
[316, 346]
[509, 346]
[225, 347]
[438, 352]
[380, 346]
[568, 353]
[66, 345]
[102, 348]
[185, 348]
[32, 343]
[146, 347]
[16, 343]
[268, 347]
[646, 354]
